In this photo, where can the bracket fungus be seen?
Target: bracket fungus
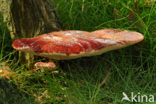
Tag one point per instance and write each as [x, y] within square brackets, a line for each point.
[71, 44]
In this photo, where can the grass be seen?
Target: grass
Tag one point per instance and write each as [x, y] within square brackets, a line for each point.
[132, 68]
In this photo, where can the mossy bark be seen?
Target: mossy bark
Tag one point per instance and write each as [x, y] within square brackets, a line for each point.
[29, 18]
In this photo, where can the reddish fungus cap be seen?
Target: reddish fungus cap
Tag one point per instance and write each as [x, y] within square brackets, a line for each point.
[74, 43]
[49, 65]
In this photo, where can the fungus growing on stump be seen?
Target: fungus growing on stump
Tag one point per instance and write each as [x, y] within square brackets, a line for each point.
[71, 44]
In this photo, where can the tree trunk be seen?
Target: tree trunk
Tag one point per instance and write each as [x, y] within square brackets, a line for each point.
[29, 18]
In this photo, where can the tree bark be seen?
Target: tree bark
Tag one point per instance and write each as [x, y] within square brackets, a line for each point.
[29, 18]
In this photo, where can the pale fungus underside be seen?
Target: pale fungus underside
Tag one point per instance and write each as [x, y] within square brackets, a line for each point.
[71, 44]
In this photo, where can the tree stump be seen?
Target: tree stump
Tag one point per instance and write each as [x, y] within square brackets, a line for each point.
[29, 18]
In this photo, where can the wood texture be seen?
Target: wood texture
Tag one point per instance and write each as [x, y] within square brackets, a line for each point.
[28, 18]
